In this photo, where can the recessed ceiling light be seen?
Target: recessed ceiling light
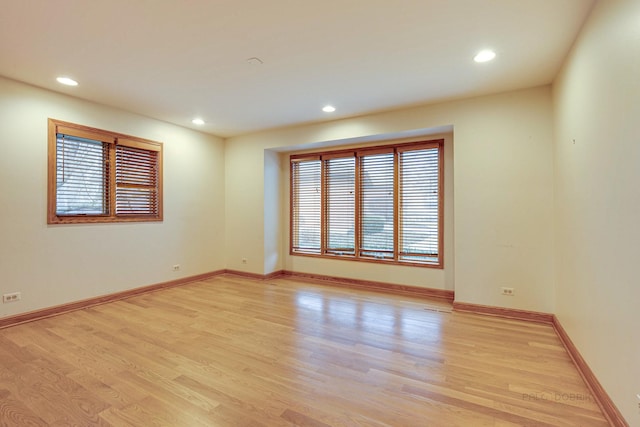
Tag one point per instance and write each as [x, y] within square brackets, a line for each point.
[197, 121]
[328, 108]
[484, 56]
[67, 81]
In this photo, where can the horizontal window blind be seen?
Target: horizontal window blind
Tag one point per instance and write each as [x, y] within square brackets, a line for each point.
[340, 201]
[136, 181]
[305, 206]
[82, 176]
[419, 204]
[377, 205]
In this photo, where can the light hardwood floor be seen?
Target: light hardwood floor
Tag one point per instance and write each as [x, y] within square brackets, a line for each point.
[231, 351]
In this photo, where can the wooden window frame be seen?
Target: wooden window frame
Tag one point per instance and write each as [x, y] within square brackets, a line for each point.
[358, 153]
[112, 140]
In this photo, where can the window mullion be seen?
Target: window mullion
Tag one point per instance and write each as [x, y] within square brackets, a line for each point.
[293, 226]
[396, 205]
[323, 207]
[440, 204]
[357, 219]
[111, 168]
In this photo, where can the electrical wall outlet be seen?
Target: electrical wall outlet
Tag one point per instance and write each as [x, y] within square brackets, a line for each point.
[12, 297]
[176, 267]
[507, 291]
[244, 260]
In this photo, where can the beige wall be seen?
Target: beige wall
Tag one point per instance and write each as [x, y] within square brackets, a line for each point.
[502, 198]
[54, 265]
[597, 106]
[274, 226]
[500, 208]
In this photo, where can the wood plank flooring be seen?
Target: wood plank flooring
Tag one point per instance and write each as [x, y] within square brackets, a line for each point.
[232, 351]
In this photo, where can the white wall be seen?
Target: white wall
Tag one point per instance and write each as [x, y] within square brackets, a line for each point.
[57, 264]
[597, 106]
[502, 203]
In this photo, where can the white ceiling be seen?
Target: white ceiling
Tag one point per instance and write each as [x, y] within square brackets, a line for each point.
[177, 59]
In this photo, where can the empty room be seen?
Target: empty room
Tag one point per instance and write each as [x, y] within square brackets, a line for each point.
[305, 213]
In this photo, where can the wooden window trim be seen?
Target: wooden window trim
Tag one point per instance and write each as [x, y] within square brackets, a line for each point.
[56, 127]
[358, 153]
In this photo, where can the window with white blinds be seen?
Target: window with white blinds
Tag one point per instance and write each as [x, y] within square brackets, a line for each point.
[379, 204]
[340, 205]
[305, 196]
[377, 200]
[419, 204]
[100, 176]
[82, 176]
[136, 181]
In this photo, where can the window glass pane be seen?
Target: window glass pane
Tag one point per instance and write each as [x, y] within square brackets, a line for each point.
[81, 176]
[419, 197]
[340, 176]
[305, 189]
[376, 205]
